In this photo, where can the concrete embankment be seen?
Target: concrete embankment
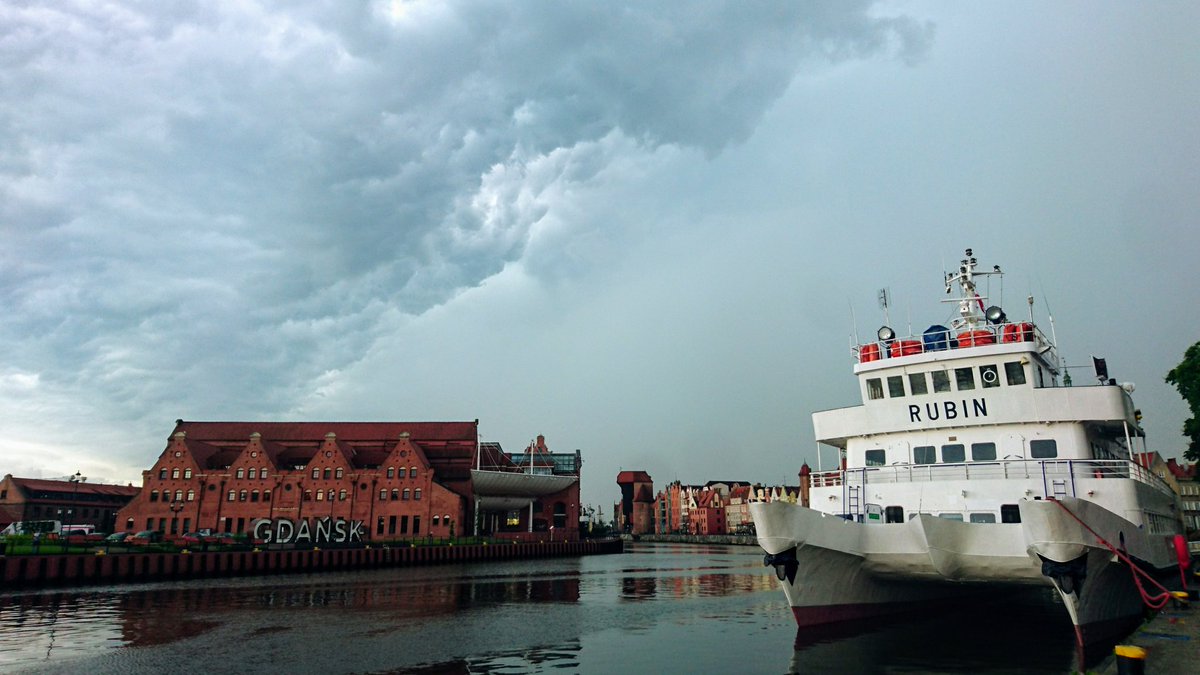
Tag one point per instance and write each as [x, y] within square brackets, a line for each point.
[737, 540]
[1170, 642]
[46, 570]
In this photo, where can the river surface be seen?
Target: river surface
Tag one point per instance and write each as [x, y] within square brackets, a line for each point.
[656, 608]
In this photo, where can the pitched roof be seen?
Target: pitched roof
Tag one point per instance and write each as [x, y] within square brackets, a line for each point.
[81, 487]
[634, 477]
[283, 432]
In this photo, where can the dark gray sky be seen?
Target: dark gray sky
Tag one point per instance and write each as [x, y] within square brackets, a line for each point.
[638, 229]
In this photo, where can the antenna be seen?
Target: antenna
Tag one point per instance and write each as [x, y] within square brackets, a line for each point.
[883, 304]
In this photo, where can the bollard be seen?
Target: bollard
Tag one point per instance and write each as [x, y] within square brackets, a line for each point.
[1131, 660]
[1180, 599]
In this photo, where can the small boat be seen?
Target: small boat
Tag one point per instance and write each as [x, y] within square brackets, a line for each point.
[972, 465]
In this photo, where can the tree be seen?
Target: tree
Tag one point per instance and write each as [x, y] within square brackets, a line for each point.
[1186, 378]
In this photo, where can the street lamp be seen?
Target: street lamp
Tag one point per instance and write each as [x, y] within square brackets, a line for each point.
[75, 481]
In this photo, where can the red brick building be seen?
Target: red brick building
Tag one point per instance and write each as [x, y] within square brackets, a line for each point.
[636, 515]
[68, 502]
[315, 482]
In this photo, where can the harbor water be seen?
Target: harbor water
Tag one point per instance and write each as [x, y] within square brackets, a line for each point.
[655, 608]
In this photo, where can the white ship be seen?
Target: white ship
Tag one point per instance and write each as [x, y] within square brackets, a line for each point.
[971, 466]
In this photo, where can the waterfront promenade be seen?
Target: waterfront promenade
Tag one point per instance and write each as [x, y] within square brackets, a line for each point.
[1171, 640]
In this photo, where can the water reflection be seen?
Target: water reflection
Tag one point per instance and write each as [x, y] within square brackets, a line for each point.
[656, 608]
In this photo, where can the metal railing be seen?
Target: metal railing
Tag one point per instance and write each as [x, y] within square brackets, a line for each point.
[1015, 331]
[1052, 473]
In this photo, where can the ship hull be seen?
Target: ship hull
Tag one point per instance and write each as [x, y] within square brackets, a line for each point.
[834, 570]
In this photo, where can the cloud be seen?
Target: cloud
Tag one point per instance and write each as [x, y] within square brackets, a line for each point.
[210, 210]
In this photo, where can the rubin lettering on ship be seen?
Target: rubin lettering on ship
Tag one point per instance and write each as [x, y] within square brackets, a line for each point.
[948, 410]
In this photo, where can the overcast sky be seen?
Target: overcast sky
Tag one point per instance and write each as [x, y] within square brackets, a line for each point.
[636, 228]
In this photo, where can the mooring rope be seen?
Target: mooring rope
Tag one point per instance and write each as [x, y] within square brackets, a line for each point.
[1154, 602]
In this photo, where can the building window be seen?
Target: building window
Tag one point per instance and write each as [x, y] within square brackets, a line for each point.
[175, 472]
[412, 472]
[254, 495]
[987, 375]
[917, 384]
[341, 495]
[417, 493]
[954, 453]
[191, 495]
[331, 493]
[162, 474]
[266, 495]
[327, 473]
[320, 495]
[924, 454]
[242, 496]
[437, 520]
[392, 525]
[154, 495]
[262, 474]
[339, 473]
[252, 474]
[983, 452]
[379, 526]
[895, 386]
[391, 472]
[403, 524]
[187, 473]
[383, 495]
[1014, 372]
[964, 378]
[1043, 449]
[876, 457]
[405, 494]
[308, 495]
[874, 388]
[233, 495]
[241, 473]
[416, 525]
[316, 473]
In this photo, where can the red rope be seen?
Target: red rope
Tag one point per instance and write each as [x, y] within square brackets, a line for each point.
[1155, 602]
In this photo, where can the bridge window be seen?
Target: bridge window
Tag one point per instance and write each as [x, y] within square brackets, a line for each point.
[951, 515]
[917, 384]
[895, 386]
[987, 375]
[876, 457]
[964, 379]
[941, 381]
[1014, 372]
[983, 452]
[983, 517]
[874, 388]
[954, 453]
[1010, 513]
[924, 454]
[1043, 449]
[893, 514]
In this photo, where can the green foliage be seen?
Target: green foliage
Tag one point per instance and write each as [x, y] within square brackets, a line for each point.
[1186, 378]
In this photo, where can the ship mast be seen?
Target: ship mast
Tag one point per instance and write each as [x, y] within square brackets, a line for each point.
[970, 304]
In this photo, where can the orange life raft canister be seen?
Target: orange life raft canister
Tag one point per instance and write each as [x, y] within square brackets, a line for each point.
[975, 338]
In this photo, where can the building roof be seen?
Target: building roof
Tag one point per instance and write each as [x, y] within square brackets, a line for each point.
[1183, 471]
[283, 432]
[634, 477]
[81, 488]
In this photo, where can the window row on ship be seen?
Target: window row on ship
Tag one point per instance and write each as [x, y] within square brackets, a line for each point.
[939, 381]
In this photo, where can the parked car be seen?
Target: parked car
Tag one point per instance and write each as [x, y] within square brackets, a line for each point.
[117, 538]
[145, 537]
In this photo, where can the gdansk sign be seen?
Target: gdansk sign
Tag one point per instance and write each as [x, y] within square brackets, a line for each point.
[322, 531]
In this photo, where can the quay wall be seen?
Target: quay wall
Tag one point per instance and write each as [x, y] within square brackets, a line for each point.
[80, 569]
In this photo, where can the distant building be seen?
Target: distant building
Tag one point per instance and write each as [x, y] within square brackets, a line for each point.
[737, 510]
[637, 502]
[346, 482]
[66, 501]
[1187, 478]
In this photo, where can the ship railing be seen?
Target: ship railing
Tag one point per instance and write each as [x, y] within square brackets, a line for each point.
[1058, 477]
[979, 335]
